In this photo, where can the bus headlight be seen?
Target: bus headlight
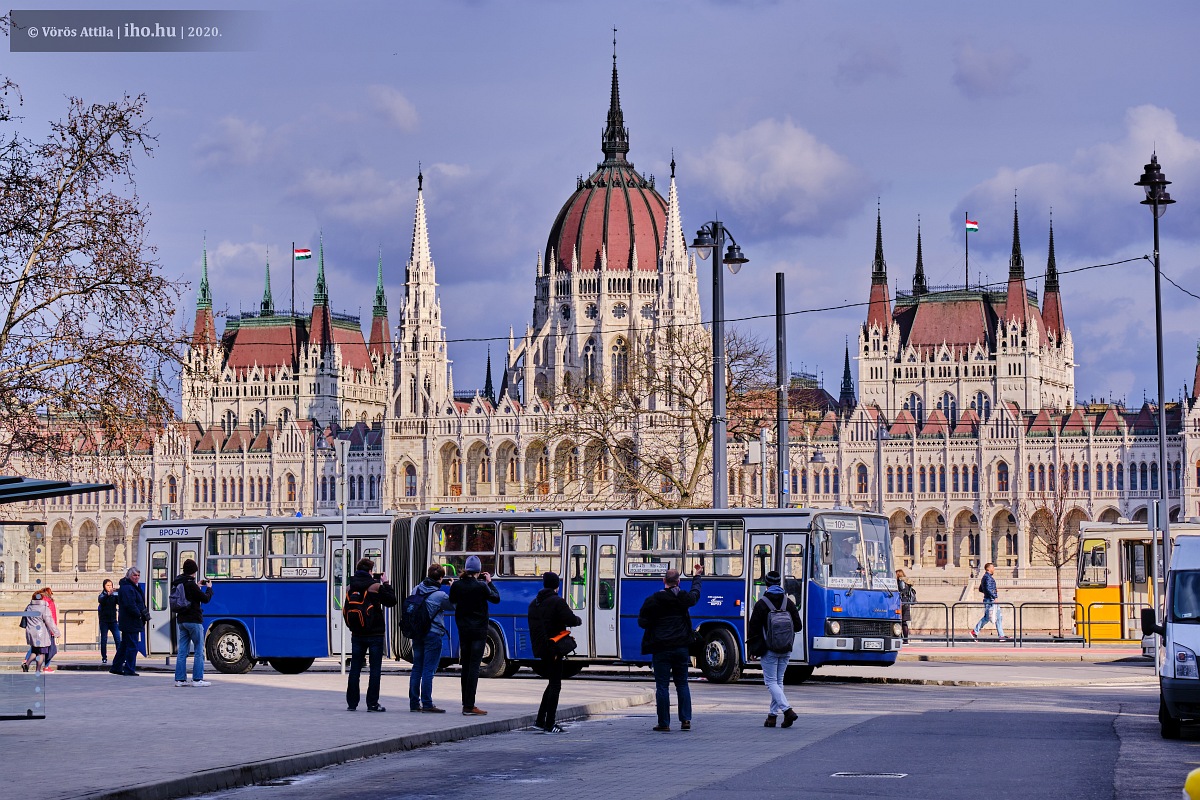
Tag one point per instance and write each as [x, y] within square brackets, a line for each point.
[897, 629]
[835, 627]
[1185, 663]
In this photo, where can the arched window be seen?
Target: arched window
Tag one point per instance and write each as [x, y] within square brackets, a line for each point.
[804, 481]
[1153, 476]
[891, 485]
[1002, 477]
[361, 482]
[975, 479]
[1108, 476]
[1075, 477]
[836, 488]
[862, 479]
[224, 491]
[1145, 479]
[916, 407]
[1086, 480]
[196, 490]
[949, 406]
[921, 472]
[825, 475]
[1032, 482]
[954, 478]
[909, 479]
[1041, 482]
[589, 362]
[291, 488]
[982, 405]
[260, 489]
[620, 364]
[942, 480]
[371, 487]
[796, 481]
[172, 491]
[1120, 477]
[324, 489]
[410, 480]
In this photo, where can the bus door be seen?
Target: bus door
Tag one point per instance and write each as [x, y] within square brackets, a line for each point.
[356, 548]
[1135, 585]
[590, 589]
[794, 583]
[165, 560]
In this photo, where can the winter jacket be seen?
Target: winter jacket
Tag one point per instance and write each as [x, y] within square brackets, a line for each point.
[666, 619]
[131, 607]
[908, 596]
[195, 595]
[384, 596]
[470, 597]
[40, 630]
[438, 602]
[988, 584]
[756, 643]
[106, 608]
[549, 615]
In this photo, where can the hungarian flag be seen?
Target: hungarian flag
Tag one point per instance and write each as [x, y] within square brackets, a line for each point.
[301, 253]
[972, 227]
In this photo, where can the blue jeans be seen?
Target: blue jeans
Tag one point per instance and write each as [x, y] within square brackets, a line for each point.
[672, 665]
[190, 636]
[105, 629]
[991, 612]
[427, 653]
[365, 649]
[774, 665]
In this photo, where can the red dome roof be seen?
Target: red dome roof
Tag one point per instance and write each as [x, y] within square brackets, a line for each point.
[615, 208]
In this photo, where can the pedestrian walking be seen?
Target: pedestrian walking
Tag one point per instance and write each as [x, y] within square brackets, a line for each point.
[470, 596]
[40, 630]
[189, 624]
[48, 594]
[549, 617]
[991, 609]
[366, 631]
[908, 596]
[668, 636]
[427, 648]
[132, 617]
[106, 615]
[773, 626]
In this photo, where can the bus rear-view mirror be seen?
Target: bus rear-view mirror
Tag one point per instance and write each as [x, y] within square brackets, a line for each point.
[826, 552]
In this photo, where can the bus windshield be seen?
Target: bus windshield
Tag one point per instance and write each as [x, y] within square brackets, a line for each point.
[853, 556]
[877, 546]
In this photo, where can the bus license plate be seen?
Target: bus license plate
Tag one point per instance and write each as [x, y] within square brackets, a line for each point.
[872, 644]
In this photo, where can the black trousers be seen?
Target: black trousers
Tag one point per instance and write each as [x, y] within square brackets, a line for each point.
[470, 653]
[362, 647]
[551, 668]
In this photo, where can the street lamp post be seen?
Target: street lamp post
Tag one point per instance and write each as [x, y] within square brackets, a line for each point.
[711, 237]
[343, 450]
[881, 436]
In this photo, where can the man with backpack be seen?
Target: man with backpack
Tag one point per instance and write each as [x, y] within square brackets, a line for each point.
[773, 626]
[186, 598]
[669, 633]
[470, 595]
[549, 618]
[367, 595]
[423, 621]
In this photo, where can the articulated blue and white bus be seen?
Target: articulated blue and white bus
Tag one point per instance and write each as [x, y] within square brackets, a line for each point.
[278, 584]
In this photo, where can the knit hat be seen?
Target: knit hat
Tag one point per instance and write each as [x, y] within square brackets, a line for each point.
[190, 567]
[771, 578]
[472, 564]
[549, 580]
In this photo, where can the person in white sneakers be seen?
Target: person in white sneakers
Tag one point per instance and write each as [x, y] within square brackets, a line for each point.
[189, 625]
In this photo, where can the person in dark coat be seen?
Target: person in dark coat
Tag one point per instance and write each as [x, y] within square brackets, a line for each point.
[908, 596]
[668, 625]
[368, 644]
[189, 625]
[106, 615]
[132, 617]
[471, 595]
[549, 615]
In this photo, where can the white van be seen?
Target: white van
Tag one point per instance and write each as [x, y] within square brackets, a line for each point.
[1179, 675]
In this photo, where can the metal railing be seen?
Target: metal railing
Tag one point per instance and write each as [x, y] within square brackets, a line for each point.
[939, 621]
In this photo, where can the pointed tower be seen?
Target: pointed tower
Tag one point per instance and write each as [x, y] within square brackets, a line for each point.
[919, 287]
[1196, 379]
[204, 332]
[1016, 303]
[267, 307]
[204, 358]
[615, 141]
[846, 399]
[321, 326]
[378, 343]
[879, 309]
[679, 299]
[1052, 314]
[489, 393]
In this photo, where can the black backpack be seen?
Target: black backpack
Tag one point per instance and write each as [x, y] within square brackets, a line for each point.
[415, 619]
[778, 633]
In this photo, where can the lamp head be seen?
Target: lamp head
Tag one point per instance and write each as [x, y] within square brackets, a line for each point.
[1155, 183]
[817, 457]
[734, 258]
[704, 243]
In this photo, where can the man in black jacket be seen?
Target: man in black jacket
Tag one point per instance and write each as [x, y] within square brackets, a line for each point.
[369, 640]
[668, 626]
[189, 625]
[549, 615]
[132, 617]
[470, 595]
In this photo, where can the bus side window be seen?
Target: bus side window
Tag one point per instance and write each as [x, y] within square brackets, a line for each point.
[1093, 563]
[606, 590]
[1137, 562]
[761, 566]
[160, 580]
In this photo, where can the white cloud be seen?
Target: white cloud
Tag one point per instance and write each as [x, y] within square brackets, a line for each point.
[988, 73]
[359, 196]
[777, 176]
[234, 142]
[395, 108]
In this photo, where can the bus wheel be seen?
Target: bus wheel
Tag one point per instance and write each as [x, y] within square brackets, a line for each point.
[494, 664]
[229, 651]
[719, 660]
[1171, 727]
[290, 666]
[797, 674]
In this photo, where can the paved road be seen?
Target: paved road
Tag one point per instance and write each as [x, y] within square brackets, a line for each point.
[1087, 741]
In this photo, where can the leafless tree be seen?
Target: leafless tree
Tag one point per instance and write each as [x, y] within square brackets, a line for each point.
[87, 323]
[1049, 538]
[647, 440]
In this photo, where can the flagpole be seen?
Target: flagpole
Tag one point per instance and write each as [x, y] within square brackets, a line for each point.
[293, 278]
[966, 252]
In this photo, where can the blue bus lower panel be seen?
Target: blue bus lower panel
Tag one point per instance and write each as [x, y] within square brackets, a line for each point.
[302, 632]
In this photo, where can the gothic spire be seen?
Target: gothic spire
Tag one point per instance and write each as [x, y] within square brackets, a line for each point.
[380, 308]
[321, 293]
[879, 266]
[268, 305]
[615, 143]
[919, 287]
[204, 299]
[1016, 262]
[674, 250]
[489, 393]
[420, 237]
[204, 331]
[1052, 313]
[1016, 301]
[846, 398]
[378, 344]
[1051, 267]
[879, 309]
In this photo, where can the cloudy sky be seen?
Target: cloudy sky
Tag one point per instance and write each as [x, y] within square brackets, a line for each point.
[789, 120]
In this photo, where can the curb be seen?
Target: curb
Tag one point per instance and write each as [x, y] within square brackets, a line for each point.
[231, 777]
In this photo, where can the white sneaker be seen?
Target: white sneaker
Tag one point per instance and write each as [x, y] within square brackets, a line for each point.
[201, 683]
[183, 683]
